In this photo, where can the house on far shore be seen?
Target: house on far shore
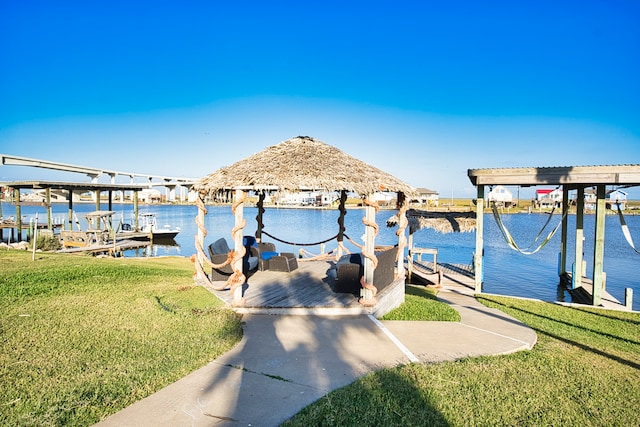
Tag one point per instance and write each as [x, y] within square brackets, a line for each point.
[426, 197]
[612, 198]
[547, 198]
[615, 198]
[500, 195]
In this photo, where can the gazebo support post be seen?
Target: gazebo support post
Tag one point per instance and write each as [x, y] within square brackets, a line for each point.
[477, 257]
[343, 211]
[367, 294]
[260, 207]
[402, 237]
[239, 197]
[598, 246]
[202, 211]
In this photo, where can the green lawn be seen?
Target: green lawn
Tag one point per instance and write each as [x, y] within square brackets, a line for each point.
[584, 371]
[82, 338]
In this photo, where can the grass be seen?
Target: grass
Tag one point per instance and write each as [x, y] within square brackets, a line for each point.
[81, 338]
[421, 304]
[584, 370]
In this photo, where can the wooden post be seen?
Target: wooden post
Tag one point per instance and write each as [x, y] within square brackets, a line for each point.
[628, 298]
[369, 247]
[598, 246]
[402, 236]
[410, 257]
[199, 236]
[97, 196]
[563, 234]
[135, 211]
[70, 209]
[259, 216]
[341, 229]
[16, 199]
[578, 272]
[477, 258]
[49, 215]
[237, 242]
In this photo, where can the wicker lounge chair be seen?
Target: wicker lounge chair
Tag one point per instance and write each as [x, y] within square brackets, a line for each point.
[219, 251]
[270, 259]
[350, 268]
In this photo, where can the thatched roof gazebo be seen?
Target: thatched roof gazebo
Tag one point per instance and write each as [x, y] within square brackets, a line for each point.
[300, 164]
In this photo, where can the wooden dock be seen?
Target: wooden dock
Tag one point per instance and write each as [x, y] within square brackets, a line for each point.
[109, 248]
[582, 294]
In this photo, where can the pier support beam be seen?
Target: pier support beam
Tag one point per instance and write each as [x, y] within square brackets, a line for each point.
[578, 271]
[16, 200]
[562, 268]
[70, 210]
[598, 247]
[477, 258]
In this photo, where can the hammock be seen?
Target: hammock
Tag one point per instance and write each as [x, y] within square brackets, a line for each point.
[625, 229]
[512, 243]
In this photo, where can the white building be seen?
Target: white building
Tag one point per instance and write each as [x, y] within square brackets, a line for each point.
[500, 195]
[426, 197]
[615, 198]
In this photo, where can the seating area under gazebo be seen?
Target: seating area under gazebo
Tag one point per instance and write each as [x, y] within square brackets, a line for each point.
[259, 277]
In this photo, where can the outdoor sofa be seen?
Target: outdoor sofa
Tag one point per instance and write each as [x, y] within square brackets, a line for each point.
[348, 270]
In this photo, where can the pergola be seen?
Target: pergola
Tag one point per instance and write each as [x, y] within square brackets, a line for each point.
[70, 187]
[300, 164]
[577, 178]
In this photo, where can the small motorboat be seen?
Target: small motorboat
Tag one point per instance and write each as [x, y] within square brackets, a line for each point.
[149, 229]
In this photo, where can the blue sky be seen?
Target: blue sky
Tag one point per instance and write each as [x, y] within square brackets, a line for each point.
[423, 90]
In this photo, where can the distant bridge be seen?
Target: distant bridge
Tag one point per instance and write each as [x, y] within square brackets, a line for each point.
[171, 183]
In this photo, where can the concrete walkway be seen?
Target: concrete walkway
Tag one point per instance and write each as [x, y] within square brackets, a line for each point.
[284, 363]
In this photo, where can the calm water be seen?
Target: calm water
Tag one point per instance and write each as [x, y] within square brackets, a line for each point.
[506, 272]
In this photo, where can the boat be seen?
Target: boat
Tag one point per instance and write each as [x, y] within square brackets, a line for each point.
[148, 229]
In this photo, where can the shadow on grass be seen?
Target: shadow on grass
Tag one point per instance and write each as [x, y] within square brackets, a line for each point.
[578, 344]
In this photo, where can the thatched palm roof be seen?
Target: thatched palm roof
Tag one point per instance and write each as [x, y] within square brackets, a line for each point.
[443, 222]
[302, 163]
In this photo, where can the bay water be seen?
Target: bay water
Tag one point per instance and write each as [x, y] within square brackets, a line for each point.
[507, 272]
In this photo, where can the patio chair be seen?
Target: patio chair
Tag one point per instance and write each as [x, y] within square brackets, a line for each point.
[349, 269]
[270, 259]
[219, 252]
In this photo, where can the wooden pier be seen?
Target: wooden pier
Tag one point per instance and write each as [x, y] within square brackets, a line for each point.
[112, 249]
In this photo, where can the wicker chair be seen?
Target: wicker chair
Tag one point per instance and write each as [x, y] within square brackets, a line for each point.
[219, 252]
[270, 259]
[350, 268]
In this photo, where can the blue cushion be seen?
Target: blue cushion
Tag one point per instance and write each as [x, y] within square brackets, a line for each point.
[220, 246]
[268, 255]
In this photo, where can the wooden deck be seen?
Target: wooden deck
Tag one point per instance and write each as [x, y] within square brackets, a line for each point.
[306, 290]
